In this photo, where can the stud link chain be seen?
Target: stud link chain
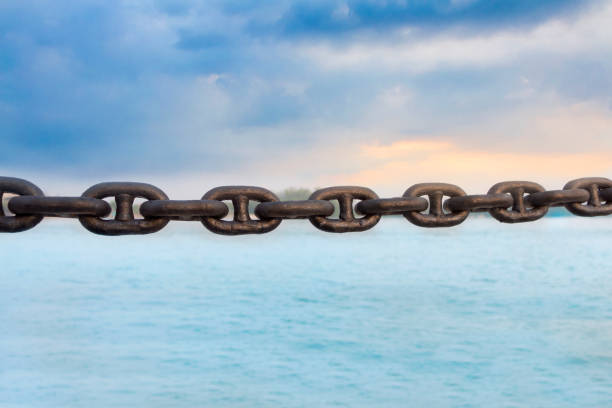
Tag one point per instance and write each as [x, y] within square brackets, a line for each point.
[256, 210]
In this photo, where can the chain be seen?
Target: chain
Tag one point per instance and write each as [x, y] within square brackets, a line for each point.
[425, 205]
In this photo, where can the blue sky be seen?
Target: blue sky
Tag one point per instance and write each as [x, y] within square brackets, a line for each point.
[305, 93]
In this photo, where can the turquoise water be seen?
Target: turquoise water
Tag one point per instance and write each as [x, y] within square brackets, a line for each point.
[483, 314]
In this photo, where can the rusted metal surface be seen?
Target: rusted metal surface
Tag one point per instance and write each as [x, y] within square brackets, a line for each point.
[556, 198]
[347, 222]
[294, 209]
[184, 210]
[124, 222]
[600, 198]
[242, 223]
[360, 208]
[389, 206]
[478, 202]
[17, 223]
[436, 217]
[68, 207]
[520, 211]
[606, 194]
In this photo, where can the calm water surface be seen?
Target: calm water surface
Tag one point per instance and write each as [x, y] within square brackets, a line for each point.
[482, 314]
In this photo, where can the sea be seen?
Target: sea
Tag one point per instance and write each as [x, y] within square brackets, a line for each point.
[479, 315]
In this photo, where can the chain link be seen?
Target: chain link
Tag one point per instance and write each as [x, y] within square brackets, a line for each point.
[521, 211]
[242, 223]
[359, 207]
[347, 221]
[17, 223]
[436, 217]
[599, 201]
[124, 223]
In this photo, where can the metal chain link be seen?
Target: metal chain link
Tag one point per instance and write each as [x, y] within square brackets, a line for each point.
[359, 207]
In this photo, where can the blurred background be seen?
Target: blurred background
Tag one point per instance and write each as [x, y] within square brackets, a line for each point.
[193, 94]
[294, 95]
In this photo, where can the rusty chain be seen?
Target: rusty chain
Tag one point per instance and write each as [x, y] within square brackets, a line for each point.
[359, 208]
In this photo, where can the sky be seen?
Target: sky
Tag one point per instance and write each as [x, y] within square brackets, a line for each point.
[188, 95]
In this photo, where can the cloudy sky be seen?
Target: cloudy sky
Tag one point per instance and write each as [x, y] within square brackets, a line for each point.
[189, 94]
